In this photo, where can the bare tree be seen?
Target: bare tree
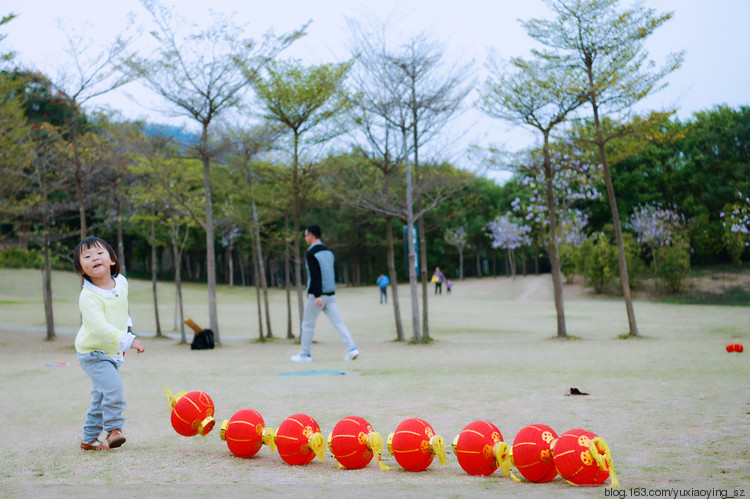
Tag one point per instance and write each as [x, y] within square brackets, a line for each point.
[373, 108]
[433, 97]
[197, 73]
[91, 72]
[405, 98]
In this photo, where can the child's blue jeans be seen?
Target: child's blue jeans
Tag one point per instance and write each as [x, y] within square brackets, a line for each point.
[107, 397]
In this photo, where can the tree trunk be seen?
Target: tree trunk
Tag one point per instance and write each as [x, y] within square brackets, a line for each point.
[393, 275]
[461, 263]
[413, 289]
[297, 215]
[80, 191]
[210, 250]
[261, 337]
[154, 271]
[287, 283]
[554, 255]
[120, 241]
[616, 222]
[243, 277]
[47, 277]
[230, 263]
[425, 281]
[177, 256]
[261, 268]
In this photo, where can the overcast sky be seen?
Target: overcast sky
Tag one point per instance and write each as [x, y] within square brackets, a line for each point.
[714, 34]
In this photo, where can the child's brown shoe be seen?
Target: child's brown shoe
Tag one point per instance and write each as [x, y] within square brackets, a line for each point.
[94, 445]
[115, 438]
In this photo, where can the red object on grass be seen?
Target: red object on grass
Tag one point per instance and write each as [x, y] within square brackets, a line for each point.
[738, 347]
[414, 445]
[475, 448]
[354, 443]
[246, 432]
[192, 414]
[532, 453]
[299, 440]
[574, 459]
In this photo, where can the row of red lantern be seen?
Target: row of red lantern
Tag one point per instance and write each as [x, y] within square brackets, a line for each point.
[736, 347]
[579, 456]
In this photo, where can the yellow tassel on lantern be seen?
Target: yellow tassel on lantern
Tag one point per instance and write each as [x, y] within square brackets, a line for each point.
[269, 438]
[437, 447]
[375, 444]
[603, 457]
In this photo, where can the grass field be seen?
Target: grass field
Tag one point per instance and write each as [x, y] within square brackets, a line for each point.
[673, 405]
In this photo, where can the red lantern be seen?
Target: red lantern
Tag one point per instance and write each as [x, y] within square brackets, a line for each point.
[730, 348]
[192, 413]
[299, 440]
[480, 449]
[582, 458]
[739, 348]
[414, 445]
[354, 443]
[245, 433]
[532, 455]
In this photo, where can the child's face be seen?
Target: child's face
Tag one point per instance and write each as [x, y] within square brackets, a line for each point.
[96, 262]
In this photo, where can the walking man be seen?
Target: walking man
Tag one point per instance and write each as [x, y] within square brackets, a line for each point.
[321, 295]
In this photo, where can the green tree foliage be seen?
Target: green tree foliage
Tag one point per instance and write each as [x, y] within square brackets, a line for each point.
[672, 265]
[598, 262]
[711, 164]
[736, 222]
[305, 100]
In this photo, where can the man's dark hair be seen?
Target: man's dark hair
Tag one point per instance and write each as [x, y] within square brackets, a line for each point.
[314, 230]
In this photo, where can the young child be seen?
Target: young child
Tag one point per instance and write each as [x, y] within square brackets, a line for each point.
[103, 337]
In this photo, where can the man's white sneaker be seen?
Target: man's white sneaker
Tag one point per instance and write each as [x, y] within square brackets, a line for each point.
[301, 357]
[353, 354]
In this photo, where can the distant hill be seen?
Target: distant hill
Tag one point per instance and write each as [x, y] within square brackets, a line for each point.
[172, 132]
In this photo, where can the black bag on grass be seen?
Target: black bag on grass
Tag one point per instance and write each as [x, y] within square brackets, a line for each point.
[203, 340]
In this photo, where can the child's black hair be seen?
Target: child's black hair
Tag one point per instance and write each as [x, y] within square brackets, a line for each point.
[88, 243]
